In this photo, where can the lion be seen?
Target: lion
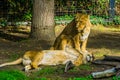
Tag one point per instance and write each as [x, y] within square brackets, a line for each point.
[75, 34]
[34, 59]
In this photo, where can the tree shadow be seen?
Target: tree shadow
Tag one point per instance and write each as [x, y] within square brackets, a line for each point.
[10, 37]
[17, 31]
[105, 40]
[20, 37]
[97, 41]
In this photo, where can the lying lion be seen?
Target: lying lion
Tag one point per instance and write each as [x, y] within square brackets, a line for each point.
[33, 59]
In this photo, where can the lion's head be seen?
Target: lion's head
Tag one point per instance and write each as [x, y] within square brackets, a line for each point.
[82, 21]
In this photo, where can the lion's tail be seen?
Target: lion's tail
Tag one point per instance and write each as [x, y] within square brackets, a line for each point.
[18, 61]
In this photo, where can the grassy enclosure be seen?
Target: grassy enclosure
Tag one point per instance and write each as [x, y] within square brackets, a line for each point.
[102, 40]
[15, 27]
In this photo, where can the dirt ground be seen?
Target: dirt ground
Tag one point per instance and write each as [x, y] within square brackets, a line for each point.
[13, 45]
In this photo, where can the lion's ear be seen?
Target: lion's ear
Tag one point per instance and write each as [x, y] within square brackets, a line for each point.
[88, 16]
[77, 14]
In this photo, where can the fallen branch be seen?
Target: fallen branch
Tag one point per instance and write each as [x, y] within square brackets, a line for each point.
[108, 60]
[112, 58]
[102, 62]
[107, 73]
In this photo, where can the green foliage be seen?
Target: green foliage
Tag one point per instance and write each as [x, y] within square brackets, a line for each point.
[48, 73]
[47, 70]
[116, 20]
[65, 17]
[97, 20]
[12, 75]
[3, 22]
[89, 77]
[27, 16]
[85, 67]
[50, 70]
[20, 9]
[104, 20]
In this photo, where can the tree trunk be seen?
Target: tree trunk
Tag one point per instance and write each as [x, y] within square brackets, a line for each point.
[43, 21]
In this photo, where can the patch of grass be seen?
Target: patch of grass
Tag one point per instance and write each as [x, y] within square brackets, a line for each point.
[50, 70]
[48, 73]
[12, 75]
[85, 67]
[81, 78]
[14, 56]
[65, 17]
[103, 20]
[117, 20]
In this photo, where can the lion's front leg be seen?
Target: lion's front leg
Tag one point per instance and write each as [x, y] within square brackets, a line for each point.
[77, 43]
[84, 51]
[77, 46]
[27, 68]
[83, 46]
[63, 44]
[37, 59]
[79, 60]
[27, 63]
[35, 65]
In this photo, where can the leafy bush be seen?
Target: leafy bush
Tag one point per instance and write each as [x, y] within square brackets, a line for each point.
[19, 10]
[65, 17]
[104, 20]
[27, 16]
[97, 20]
[50, 70]
[116, 20]
[3, 22]
[12, 75]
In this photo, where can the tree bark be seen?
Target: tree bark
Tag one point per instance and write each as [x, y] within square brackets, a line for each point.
[43, 21]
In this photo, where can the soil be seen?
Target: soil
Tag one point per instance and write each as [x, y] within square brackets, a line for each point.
[14, 44]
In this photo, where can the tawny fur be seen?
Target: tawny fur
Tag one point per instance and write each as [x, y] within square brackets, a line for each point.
[18, 61]
[33, 59]
[75, 34]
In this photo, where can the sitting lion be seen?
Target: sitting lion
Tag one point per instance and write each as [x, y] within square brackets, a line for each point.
[75, 34]
[33, 59]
